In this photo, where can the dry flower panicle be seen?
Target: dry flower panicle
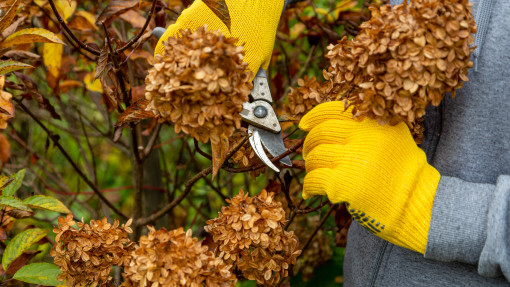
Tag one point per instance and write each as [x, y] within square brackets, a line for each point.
[404, 59]
[86, 255]
[175, 258]
[200, 83]
[307, 95]
[250, 234]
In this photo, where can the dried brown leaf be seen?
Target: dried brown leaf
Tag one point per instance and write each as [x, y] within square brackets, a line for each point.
[19, 214]
[134, 113]
[118, 7]
[219, 7]
[219, 153]
[102, 60]
[17, 55]
[134, 18]
[12, 28]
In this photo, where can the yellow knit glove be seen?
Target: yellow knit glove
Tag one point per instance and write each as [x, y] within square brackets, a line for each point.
[253, 23]
[378, 170]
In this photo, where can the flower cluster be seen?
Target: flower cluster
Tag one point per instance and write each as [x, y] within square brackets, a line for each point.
[250, 234]
[307, 95]
[404, 59]
[175, 258]
[200, 83]
[86, 255]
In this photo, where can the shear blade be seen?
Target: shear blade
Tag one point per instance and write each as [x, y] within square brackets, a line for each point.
[274, 145]
[256, 144]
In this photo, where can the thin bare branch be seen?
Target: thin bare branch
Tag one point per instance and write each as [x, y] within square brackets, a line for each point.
[203, 153]
[54, 139]
[69, 40]
[175, 202]
[323, 221]
[189, 184]
[69, 32]
[150, 144]
[293, 215]
[132, 41]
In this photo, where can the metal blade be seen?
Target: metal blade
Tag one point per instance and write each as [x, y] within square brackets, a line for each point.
[274, 145]
[259, 150]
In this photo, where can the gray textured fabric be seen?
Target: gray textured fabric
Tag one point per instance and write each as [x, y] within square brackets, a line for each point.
[483, 16]
[496, 252]
[460, 224]
[467, 140]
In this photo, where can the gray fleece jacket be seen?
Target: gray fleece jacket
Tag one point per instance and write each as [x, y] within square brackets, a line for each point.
[468, 141]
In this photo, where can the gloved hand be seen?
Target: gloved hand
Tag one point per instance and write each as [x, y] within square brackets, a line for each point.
[377, 170]
[253, 23]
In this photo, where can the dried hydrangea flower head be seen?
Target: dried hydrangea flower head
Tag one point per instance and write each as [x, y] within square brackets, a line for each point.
[404, 59]
[86, 255]
[250, 234]
[175, 258]
[200, 83]
[307, 95]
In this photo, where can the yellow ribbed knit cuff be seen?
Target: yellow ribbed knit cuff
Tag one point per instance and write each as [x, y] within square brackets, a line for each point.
[415, 221]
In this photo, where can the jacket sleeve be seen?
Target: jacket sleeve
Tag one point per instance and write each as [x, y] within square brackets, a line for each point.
[471, 223]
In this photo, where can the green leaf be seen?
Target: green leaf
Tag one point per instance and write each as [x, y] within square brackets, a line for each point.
[47, 203]
[13, 202]
[31, 35]
[39, 273]
[20, 243]
[10, 189]
[9, 66]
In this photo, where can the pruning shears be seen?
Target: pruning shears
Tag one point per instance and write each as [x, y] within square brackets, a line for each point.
[264, 128]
